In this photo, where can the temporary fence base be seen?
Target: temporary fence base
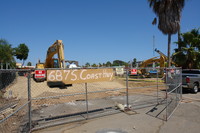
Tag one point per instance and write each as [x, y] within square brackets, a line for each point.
[70, 118]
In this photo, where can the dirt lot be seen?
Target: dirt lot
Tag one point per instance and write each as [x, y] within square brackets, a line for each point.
[19, 88]
[18, 91]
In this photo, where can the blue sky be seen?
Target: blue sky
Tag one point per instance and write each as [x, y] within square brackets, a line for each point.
[94, 31]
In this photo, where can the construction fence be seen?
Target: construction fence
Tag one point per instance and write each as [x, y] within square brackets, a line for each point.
[27, 105]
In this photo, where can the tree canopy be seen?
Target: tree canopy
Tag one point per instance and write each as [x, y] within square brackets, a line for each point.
[29, 64]
[134, 63]
[87, 64]
[21, 52]
[169, 16]
[119, 63]
[6, 53]
[108, 64]
[187, 55]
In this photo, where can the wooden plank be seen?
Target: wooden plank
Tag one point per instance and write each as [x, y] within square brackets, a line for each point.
[80, 75]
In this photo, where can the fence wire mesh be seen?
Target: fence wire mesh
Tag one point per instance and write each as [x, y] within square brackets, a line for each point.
[13, 101]
[174, 90]
[159, 88]
[162, 85]
[16, 122]
[79, 101]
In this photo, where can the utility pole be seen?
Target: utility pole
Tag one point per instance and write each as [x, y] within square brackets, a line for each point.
[153, 45]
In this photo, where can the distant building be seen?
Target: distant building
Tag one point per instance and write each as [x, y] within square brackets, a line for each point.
[19, 65]
[119, 70]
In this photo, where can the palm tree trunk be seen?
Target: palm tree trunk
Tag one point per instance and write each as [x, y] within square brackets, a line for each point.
[169, 48]
[23, 63]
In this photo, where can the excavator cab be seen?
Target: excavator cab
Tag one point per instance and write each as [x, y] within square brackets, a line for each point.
[55, 63]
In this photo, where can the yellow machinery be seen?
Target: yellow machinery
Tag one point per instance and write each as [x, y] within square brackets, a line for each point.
[146, 64]
[162, 60]
[56, 48]
[149, 62]
[40, 73]
[50, 62]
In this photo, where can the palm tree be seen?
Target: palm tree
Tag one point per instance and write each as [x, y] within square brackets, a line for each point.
[169, 15]
[187, 55]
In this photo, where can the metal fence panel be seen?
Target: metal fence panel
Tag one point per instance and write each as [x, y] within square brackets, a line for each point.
[13, 100]
[80, 100]
[38, 105]
[174, 90]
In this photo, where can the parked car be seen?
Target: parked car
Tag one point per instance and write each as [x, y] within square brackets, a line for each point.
[191, 79]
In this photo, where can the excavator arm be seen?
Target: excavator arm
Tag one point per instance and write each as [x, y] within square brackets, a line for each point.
[149, 61]
[163, 59]
[56, 48]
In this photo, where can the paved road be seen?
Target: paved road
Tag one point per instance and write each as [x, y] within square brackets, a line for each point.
[186, 119]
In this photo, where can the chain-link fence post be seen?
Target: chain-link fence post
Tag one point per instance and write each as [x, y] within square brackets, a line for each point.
[166, 92]
[127, 102]
[1, 65]
[29, 100]
[157, 84]
[181, 91]
[86, 96]
[177, 84]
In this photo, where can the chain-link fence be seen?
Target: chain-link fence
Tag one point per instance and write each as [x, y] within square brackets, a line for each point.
[37, 104]
[14, 102]
[174, 90]
[6, 66]
[76, 102]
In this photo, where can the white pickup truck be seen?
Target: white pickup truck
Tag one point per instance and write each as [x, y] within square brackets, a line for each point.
[191, 79]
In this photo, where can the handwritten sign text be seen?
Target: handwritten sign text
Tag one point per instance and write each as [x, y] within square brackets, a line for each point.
[71, 76]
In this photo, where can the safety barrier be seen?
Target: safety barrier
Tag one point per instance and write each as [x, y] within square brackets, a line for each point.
[27, 105]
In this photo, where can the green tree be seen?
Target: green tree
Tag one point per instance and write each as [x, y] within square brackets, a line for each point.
[21, 52]
[87, 64]
[29, 64]
[6, 53]
[100, 65]
[134, 63]
[108, 64]
[94, 65]
[169, 16]
[187, 55]
[119, 63]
